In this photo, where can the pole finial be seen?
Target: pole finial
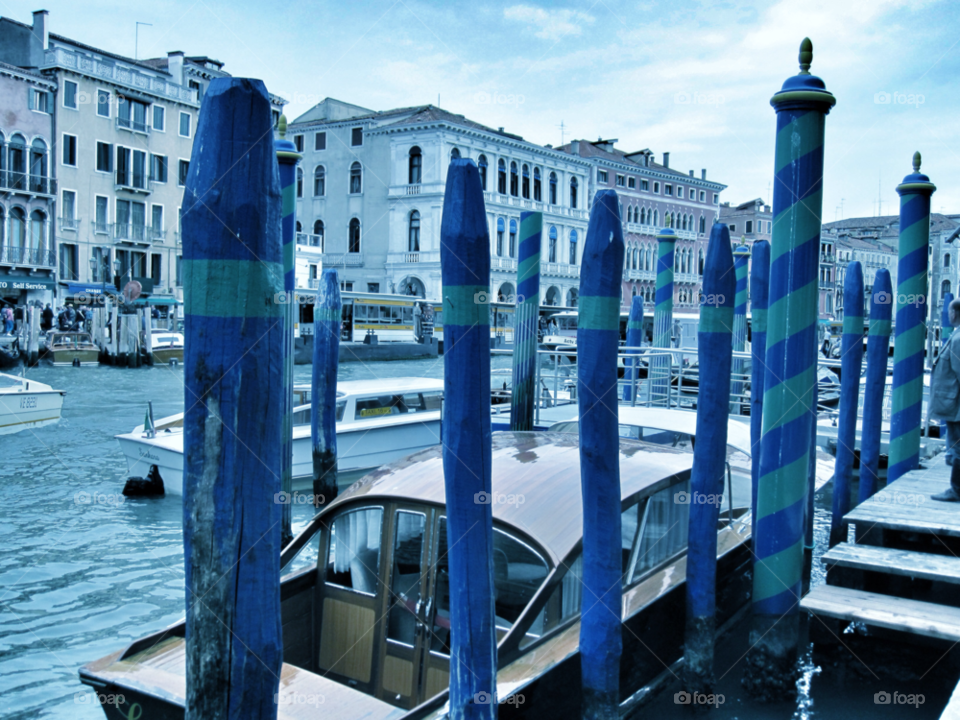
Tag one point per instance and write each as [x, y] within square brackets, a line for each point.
[282, 126]
[806, 56]
[916, 161]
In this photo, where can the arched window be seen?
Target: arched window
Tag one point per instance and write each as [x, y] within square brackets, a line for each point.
[537, 189]
[482, 166]
[553, 245]
[500, 231]
[553, 188]
[413, 242]
[318, 233]
[573, 192]
[656, 217]
[945, 288]
[3, 226]
[299, 182]
[356, 179]
[573, 247]
[946, 260]
[17, 154]
[512, 250]
[525, 181]
[319, 181]
[18, 228]
[700, 262]
[514, 180]
[37, 223]
[415, 166]
[299, 227]
[3, 154]
[455, 154]
[703, 224]
[38, 164]
[501, 177]
[354, 236]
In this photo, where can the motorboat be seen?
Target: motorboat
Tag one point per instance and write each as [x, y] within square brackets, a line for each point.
[72, 347]
[9, 351]
[366, 623]
[167, 347]
[378, 421]
[27, 404]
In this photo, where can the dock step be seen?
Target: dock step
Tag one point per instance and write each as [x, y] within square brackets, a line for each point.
[886, 611]
[905, 505]
[944, 568]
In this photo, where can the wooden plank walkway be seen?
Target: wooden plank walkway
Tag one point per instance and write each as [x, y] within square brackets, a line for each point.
[927, 566]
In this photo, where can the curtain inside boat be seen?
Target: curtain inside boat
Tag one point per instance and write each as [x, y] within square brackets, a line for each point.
[356, 536]
[665, 527]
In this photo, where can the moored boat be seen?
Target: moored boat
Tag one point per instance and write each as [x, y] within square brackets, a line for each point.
[167, 347]
[26, 404]
[71, 347]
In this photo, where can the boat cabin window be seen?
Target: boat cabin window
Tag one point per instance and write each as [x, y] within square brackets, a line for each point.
[306, 557]
[302, 415]
[397, 404]
[406, 577]
[166, 340]
[518, 572]
[657, 436]
[354, 559]
[663, 532]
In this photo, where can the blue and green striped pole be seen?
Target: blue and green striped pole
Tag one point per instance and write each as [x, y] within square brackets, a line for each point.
[878, 350]
[908, 348]
[634, 340]
[598, 338]
[327, 318]
[714, 351]
[790, 383]
[659, 374]
[467, 450]
[233, 276]
[851, 363]
[759, 292]
[287, 159]
[523, 398]
[741, 262]
[945, 327]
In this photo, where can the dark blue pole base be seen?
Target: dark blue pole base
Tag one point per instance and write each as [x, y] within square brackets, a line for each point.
[772, 671]
[599, 705]
[698, 675]
[324, 477]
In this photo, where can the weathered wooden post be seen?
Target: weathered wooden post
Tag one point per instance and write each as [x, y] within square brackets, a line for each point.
[945, 327]
[598, 337]
[115, 333]
[287, 159]
[714, 351]
[660, 367]
[147, 337]
[851, 363]
[741, 262]
[524, 395]
[878, 349]
[233, 272]
[634, 340]
[759, 293]
[467, 453]
[790, 382]
[914, 192]
[33, 343]
[120, 327]
[323, 392]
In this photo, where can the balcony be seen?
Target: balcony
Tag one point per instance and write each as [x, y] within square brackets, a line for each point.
[32, 257]
[410, 258]
[101, 228]
[641, 275]
[26, 184]
[415, 189]
[828, 258]
[313, 283]
[133, 125]
[560, 269]
[156, 235]
[131, 182]
[503, 263]
[342, 260]
[686, 278]
[128, 232]
[72, 224]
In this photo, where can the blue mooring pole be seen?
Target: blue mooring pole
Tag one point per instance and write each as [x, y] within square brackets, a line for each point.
[233, 275]
[851, 363]
[323, 391]
[714, 351]
[945, 327]
[660, 368]
[524, 396]
[759, 293]
[790, 383]
[634, 340]
[598, 339]
[741, 263]
[467, 450]
[878, 350]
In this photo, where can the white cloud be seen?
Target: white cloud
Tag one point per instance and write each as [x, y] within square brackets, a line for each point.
[552, 25]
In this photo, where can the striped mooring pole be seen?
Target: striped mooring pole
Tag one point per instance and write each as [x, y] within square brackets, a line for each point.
[908, 347]
[789, 392]
[714, 351]
[659, 369]
[741, 262]
[233, 276]
[851, 363]
[945, 327]
[759, 292]
[524, 395]
[634, 340]
[878, 349]
[327, 316]
[467, 449]
[287, 159]
[598, 340]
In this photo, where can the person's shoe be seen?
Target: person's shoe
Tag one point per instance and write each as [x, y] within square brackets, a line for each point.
[948, 495]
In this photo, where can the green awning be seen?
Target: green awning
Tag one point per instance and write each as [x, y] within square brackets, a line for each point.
[157, 300]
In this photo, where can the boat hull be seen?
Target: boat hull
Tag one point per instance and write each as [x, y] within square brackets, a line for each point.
[25, 410]
[66, 358]
[167, 356]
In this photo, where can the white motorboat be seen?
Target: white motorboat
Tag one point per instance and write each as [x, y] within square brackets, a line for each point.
[26, 404]
[378, 421]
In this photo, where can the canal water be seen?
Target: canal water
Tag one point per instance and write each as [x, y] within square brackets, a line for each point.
[79, 580]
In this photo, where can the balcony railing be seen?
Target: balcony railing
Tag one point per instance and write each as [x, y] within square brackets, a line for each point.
[130, 232]
[101, 228]
[313, 283]
[26, 183]
[560, 269]
[342, 260]
[69, 223]
[156, 234]
[130, 181]
[828, 257]
[686, 277]
[34, 257]
[503, 263]
[134, 125]
[642, 275]
[310, 240]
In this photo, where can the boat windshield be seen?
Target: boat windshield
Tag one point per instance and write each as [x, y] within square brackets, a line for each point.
[413, 402]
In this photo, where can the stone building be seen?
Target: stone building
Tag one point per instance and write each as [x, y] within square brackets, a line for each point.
[748, 222]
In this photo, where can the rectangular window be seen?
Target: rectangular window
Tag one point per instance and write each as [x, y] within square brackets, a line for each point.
[703, 196]
[680, 191]
[159, 117]
[104, 157]
[123, 166]
[749, 226]
[70, 150]
[601, 176]
[184, 124]
[632, 183]
[320, 141]
[69, 210]
[668, 189]
[179, 279]
[157, 220]
[371, 287]
[346, 286]
[356, 137]
[139, 169]
[656, 188]
[158, 168]
[155, 267]
[298, 142]
[132, 115]
[182, 172]
[620, 180]
[644, 184]
[733, 227]
[70, 94]
[716, 199]
[40, 100]
[103, 103]
[100, 219]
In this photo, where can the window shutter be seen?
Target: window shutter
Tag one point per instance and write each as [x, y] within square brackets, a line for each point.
[50, 105]
[30, 94]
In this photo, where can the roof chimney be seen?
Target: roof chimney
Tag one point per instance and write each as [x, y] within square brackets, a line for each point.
[175, 66]
[39, 38]
[575, 147]
[703, 174]
[666, 160]
[691, 173]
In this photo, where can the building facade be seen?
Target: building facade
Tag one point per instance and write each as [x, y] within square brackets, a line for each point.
[748, 222]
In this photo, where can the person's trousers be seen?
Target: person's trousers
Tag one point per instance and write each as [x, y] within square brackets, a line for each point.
[953, 441]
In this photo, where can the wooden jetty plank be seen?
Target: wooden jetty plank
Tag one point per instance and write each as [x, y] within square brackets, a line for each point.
[906, 505]
[944, 568]
[886, 611]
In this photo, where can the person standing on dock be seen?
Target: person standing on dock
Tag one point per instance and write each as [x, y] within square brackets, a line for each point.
[945, 399]
[47, 318]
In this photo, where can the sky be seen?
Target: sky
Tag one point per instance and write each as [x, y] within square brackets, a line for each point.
[690, 78]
